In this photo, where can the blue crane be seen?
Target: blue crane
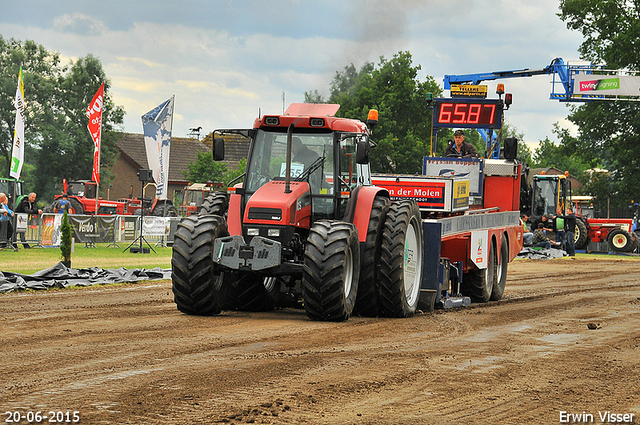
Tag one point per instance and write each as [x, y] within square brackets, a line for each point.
[563, 87]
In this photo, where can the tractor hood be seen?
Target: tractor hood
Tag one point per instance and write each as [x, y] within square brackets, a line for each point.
[270, 205]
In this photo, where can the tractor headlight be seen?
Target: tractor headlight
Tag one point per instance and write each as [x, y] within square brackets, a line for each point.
[273, 232]
[253, 232]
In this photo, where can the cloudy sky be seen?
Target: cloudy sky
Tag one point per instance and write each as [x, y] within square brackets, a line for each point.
[225, 61]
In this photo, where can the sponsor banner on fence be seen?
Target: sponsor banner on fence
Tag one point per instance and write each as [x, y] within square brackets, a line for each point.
[85, 228]
[91, 228]
[50, 235]
[155, 226]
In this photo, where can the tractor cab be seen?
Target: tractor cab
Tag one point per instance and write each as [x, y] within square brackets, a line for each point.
[323, 159]
[548, 193]
[302, 166]
[81, 188]
[13, 189]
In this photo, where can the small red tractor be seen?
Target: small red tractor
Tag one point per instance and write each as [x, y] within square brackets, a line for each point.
[83, 200]
[193, 196]
[551, 192]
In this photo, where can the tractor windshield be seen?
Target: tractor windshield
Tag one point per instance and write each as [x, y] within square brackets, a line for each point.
[311, 159]
[545, 197]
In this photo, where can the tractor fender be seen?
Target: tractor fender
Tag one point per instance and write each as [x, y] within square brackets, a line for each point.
[359, 208]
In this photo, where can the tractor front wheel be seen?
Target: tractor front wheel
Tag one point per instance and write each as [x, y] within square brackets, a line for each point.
[198, 287]
[331, 270]
[620, 241]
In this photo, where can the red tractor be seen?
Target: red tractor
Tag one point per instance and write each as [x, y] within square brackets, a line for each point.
[304, 225]
[193, 196]
[83, 199]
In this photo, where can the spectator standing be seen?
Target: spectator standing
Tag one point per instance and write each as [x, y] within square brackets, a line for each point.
[558, 225]
[27, 205]
[570, 229]
[62, 204]
[6, 215]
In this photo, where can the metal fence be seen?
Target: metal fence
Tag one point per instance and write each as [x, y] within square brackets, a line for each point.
[44, 230]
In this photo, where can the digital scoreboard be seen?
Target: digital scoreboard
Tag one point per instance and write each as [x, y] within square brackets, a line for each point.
[467, 113]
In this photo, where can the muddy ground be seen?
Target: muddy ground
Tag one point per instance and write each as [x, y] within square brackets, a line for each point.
[565, 338]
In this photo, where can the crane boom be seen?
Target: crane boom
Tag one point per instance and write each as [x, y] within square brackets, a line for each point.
[625, 87]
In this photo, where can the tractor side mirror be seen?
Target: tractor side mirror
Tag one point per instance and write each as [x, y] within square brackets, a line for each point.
[363, 152]
[510, 148]
[218, 148]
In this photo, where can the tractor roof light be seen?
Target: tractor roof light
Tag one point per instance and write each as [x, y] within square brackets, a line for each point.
[566, 174]
[500, 89]
[508, 99]
[372, 118]
[316, 122]
[271, 120]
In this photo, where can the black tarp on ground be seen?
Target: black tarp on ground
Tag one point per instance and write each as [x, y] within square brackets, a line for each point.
[59, 276]
[541, 254]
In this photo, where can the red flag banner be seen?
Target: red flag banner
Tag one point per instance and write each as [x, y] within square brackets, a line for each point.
[94, 113]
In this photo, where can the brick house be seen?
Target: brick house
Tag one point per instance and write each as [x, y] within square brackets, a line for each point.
[133, 157]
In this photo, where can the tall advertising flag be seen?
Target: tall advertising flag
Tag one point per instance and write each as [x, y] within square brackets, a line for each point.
[94, 113]
[17, 154]
[157, 125]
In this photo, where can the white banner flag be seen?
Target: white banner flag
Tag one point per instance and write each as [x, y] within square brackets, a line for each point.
[157, 125]
[17, 154]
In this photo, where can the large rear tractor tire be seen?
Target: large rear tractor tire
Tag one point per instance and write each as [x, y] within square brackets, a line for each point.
[581, 234]
[367, 299]
[501, 270]
[401, 260]
[478, 284]
[76, 206]
[198, 287]
[250, 292]
[331, 270]
[215, 204]
[165, 210]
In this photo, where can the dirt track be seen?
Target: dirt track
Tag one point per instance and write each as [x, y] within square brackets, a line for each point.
[124, 354]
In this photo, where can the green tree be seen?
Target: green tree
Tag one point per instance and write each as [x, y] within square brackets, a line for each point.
[313, 97]
[393, 88]
[609, 131]
[41, 69]
[58, 144]
[205, 169]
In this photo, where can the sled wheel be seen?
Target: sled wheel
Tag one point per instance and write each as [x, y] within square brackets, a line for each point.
[501, 278]
[331, 270]
[198, 287]
[478, 284]
[367, 299]
[401, 260]
[76, 207]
